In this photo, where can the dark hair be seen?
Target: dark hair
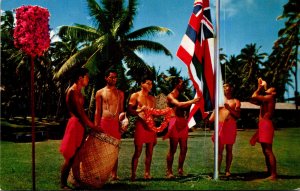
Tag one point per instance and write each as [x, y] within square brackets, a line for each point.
[228, 84]
[175, 81]
[145, 78]
[77, 73]
[107, 72]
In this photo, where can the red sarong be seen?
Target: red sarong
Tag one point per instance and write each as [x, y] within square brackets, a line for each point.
[72, 138]
[265, 131]
[227, 132]
[143, 134]
[111, 127]
[178, 128]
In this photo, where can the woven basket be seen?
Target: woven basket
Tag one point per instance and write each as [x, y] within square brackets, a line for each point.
[94, 161]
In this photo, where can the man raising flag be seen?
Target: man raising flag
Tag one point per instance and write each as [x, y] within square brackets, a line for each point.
[196, 51]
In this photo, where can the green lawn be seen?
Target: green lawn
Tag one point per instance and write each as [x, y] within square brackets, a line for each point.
[247, 168]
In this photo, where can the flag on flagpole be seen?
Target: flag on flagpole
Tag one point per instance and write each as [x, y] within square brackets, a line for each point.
[197, 52]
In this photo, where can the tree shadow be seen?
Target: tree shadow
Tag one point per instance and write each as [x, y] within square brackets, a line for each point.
[254, 175]
[248, 176]
[208, 135]
[122, 186]
[194, 177]
[126, 184]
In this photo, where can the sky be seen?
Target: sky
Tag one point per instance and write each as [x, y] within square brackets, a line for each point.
[241, 22]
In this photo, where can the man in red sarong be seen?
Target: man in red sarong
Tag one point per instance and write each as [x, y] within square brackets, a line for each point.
[227, 127]
[178, 126]
[109, 105]
[265, 133]
[138, 102]
[74, 132]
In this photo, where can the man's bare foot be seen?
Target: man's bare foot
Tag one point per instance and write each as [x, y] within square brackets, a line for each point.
[252, 142]
[147, 176]
[132, 178]
[180, 172]
[227, 174]
[272, 178]
[169, 175]
[65, 187]
[115, 178]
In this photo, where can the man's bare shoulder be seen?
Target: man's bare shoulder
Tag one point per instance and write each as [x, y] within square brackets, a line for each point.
[135, 95]
[99, 92]
[72, 92]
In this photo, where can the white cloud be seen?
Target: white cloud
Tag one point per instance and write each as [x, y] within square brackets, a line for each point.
[230, 8]
[53, 37]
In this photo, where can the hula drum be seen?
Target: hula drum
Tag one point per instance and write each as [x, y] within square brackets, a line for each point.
[94, 161]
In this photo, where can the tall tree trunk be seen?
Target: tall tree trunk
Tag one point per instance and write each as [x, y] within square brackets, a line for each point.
[92, 105]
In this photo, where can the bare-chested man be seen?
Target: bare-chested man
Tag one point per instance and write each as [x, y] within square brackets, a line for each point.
[109, 105]
[178, 126]
[227, 127]
[265, 133]
[74, 132]
[139, 101]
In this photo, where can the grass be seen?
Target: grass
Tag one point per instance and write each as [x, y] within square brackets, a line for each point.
[247, 168]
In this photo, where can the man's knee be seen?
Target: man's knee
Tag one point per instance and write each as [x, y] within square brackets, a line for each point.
[172, 150]
[138, 151]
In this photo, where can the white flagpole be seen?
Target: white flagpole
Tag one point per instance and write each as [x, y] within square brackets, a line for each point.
[216, 64]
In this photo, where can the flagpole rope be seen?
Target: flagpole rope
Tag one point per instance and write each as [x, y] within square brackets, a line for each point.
[224, 36]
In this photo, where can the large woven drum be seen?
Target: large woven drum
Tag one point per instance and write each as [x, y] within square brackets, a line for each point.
[94, 161]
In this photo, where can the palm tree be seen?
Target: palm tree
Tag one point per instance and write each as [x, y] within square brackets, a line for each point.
[111, 42]
[14, 76]
[223, 61]
[251, 61]
[233, 75]
[60, 51]
[289, 39]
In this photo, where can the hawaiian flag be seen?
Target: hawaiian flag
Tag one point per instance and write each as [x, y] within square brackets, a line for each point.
[195, 51]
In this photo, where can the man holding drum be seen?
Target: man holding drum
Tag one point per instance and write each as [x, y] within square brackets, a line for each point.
[74, 132]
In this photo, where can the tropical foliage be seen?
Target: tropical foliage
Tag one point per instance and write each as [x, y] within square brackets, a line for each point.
[284, 58]
[112, 42]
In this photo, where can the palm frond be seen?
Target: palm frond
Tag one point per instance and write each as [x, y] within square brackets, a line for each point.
[77, 60]
[146, 45]
[92, 64]
[126, 22]
[81, 32]
[133, 61]
[150, 31]
[7, 20]
[98, 15]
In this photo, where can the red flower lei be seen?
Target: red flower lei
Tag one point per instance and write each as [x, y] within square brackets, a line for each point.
[157, 112]
[31, 33]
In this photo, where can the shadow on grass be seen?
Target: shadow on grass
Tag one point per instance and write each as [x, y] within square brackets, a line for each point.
[254, 175]
[194, 177]
[122, 186]
[115, 186]
[208, 135]
[126, 184]
[249, 176]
